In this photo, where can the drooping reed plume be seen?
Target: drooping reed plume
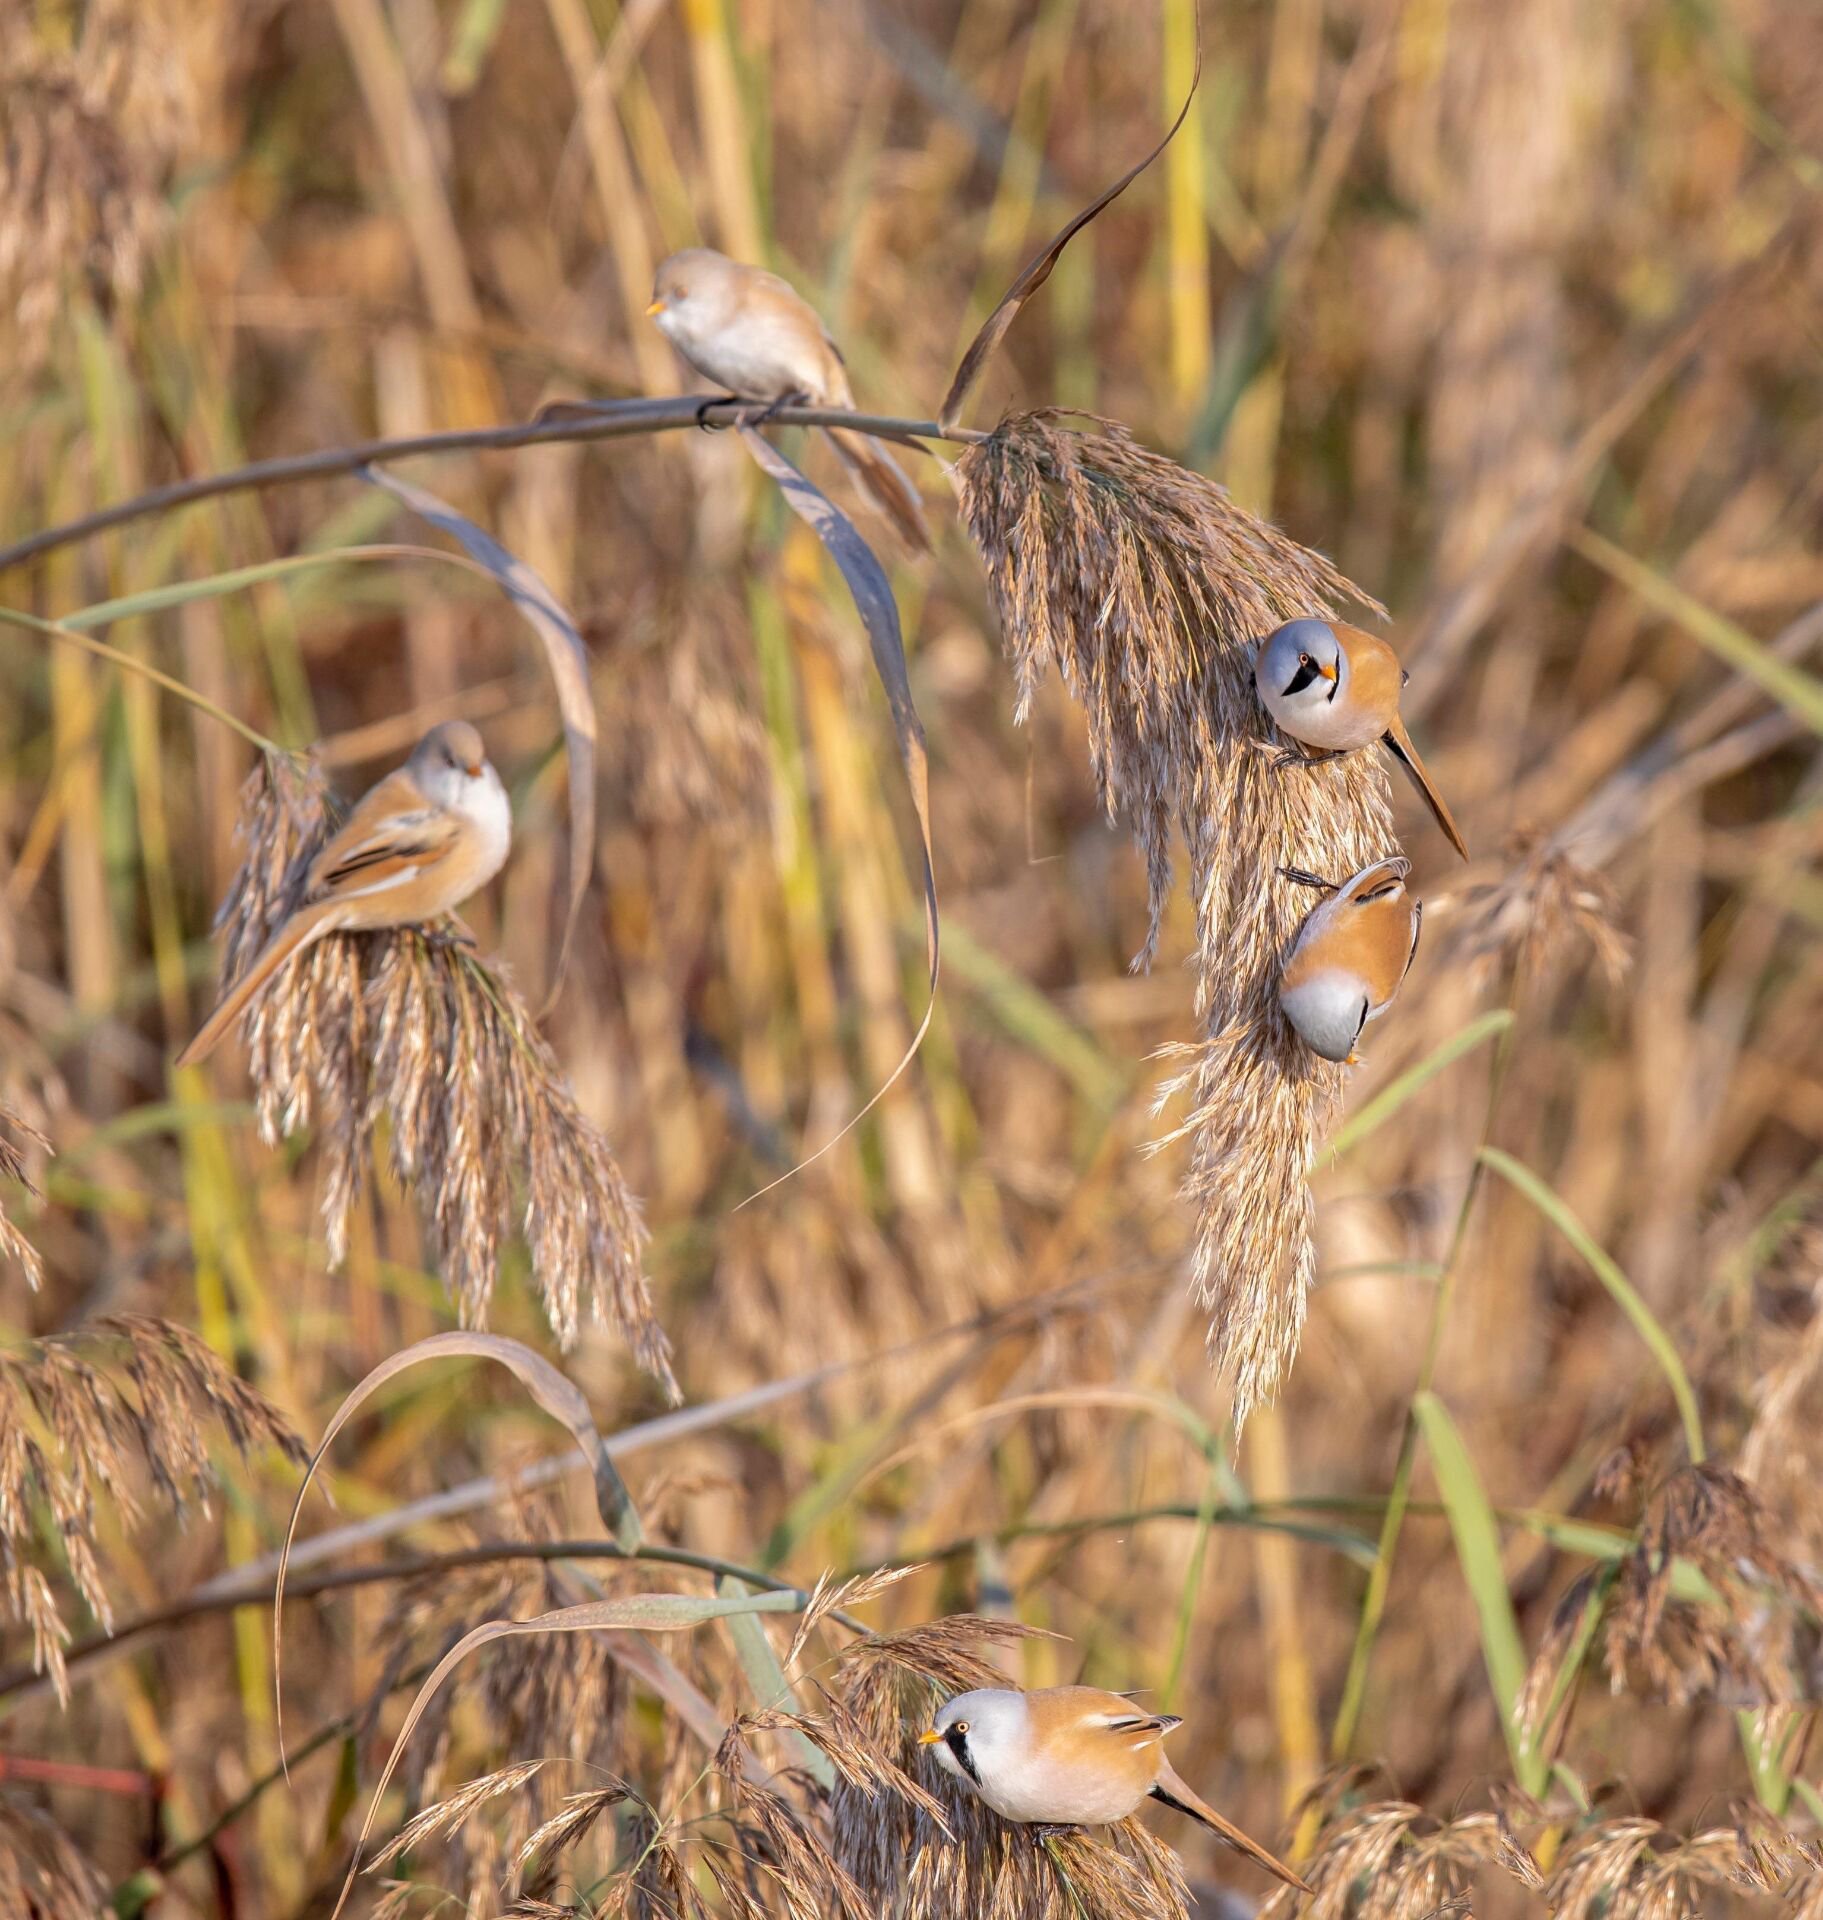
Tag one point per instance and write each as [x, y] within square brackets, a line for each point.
[92, 1414]
[405, 1028]
[1390, 1860]
[1147, 587]
[43, 1873]
[16, 1135]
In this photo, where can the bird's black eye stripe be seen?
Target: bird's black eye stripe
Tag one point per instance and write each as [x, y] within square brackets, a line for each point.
[957, 1742]
[1304, 676]
[1367, 1007]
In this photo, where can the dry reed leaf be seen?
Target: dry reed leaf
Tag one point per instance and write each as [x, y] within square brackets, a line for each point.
[568, 659]
[74, 1429]
[1038, 270]
[401, 1028]
[867, 583]
[1147, 587]
[553, 1391]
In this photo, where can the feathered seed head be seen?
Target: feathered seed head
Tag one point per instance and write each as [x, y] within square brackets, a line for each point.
[1148, 589]
[402, 1027]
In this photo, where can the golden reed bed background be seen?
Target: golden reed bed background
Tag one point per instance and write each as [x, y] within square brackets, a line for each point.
[1508, 307]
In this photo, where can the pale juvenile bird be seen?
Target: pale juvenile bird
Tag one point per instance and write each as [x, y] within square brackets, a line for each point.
[414, 848]
[1062, 1757]
[752, 333]
[1331, 686]
[1350, 956]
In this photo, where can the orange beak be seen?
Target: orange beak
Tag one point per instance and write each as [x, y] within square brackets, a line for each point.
[1328, 672]
[657, 307]
[929, 1737]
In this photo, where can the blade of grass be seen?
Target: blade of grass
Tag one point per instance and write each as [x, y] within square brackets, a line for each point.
[1478, 1553]
[1798, 692]
[1389, 1100]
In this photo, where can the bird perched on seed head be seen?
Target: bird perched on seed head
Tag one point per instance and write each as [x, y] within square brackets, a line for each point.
[1071, 1757]
[1350, 956]
[1331, 686]
[415, 847]
[754, 334]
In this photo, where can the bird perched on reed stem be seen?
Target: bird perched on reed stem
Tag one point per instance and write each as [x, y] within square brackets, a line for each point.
[1332, 686]
[415, 847]
[1062, 1757]
[1350, 956]
[754, 334]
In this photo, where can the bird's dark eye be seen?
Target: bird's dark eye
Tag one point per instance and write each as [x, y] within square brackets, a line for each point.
[1304, 660]
[962, 1726]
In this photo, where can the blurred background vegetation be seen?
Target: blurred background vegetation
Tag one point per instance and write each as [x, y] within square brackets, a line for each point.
[1511, 307]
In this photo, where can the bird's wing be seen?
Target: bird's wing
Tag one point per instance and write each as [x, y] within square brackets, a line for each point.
[393, 833]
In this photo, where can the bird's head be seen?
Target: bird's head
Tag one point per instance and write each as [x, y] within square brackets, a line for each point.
[1302, 664]
[976, 1730]
[689, 291]
[448, 760]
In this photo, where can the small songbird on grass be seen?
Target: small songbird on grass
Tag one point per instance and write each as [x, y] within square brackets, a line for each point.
[753, 333]
[1331, 686]
[1350, 956]
[1064, 1757]
[414, 848]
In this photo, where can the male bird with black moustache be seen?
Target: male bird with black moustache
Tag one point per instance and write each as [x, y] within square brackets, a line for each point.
[1061, 1757]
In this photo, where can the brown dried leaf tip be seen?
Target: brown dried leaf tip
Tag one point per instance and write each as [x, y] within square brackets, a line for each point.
[405, 1028]
[70, 1429]
[1148, 589]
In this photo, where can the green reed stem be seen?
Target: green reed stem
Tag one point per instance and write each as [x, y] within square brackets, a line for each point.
[1379, 1581]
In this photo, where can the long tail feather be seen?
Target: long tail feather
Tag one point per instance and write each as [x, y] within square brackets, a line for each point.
[1401, 743]
[308, 925]
[877, 474]
[1174, 1793]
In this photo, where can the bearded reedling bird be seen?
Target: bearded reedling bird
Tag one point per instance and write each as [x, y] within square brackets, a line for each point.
[1350, 956]
[752, 333]
[414, 848]
[1062, 1757]
[1331, 686]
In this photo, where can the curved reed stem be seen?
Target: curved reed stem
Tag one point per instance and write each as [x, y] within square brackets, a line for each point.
[606, 420]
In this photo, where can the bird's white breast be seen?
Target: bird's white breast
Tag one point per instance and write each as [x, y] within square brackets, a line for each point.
[759, 352]
[487, 807]
[1038, 1789]
[1325, 1007]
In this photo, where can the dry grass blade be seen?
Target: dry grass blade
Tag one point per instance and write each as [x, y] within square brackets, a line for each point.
[1147, 588]
[1634, 1869]
[569, 664]
[873, 598]
[1036, 272]
[648, 1612]
[573, 1821]
[400, 1028]
[554, 1392]
[69, 1434]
